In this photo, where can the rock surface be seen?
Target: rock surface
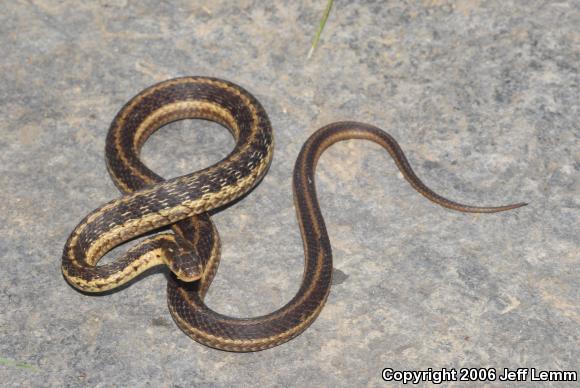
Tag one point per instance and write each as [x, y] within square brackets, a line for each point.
[483, 96]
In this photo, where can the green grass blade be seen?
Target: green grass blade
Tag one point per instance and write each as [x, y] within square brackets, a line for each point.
[17, 364]
[320, 28]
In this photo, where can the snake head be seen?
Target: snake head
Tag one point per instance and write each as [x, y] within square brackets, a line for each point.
[185, 265]
[183, 261]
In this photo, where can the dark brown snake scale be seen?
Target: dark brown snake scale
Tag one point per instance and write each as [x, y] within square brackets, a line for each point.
[192, 250]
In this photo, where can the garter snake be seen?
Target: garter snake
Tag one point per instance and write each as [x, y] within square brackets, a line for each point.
[192, 250]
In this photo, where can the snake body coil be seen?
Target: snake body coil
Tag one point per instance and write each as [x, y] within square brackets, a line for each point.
[192, 251]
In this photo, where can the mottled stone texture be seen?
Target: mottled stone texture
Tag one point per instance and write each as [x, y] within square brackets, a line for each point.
[483, 96]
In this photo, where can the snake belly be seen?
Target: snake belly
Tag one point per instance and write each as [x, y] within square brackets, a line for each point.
[192, 251]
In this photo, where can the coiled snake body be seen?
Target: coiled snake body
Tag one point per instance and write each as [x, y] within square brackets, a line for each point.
[192, 250]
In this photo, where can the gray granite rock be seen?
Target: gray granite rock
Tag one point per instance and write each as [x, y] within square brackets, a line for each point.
[483, 96]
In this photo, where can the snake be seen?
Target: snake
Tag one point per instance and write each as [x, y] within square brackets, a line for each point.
[174, 215]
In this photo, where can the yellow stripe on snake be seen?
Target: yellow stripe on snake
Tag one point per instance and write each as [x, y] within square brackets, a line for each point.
[192, 249]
